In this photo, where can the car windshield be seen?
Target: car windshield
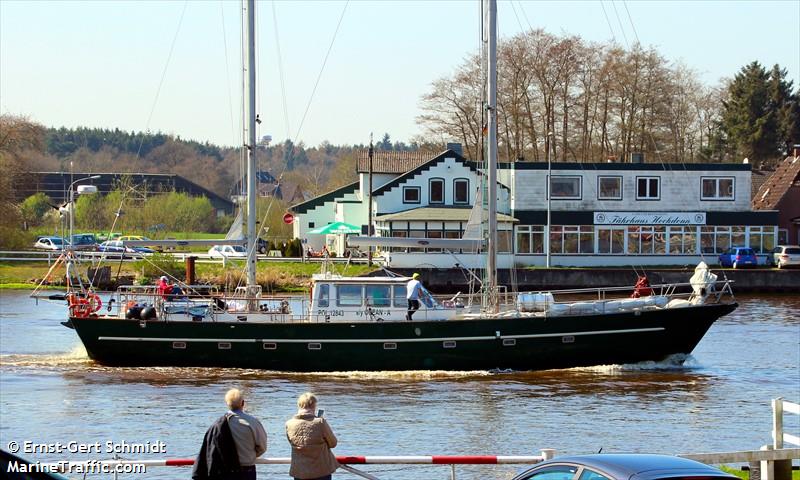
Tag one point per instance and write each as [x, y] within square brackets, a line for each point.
[57, 241]
[746, 251]
[239, 248]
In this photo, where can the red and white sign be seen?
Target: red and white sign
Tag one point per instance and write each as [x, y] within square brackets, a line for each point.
[288, 218]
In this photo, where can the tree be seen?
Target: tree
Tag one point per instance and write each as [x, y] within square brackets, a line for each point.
[786, 105]
[34, 208]
[748, 120]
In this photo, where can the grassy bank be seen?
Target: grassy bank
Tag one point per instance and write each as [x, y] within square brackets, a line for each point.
[272, 276]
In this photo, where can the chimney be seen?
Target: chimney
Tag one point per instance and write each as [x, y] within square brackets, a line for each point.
[637, 157]
[796, 150]
[456, 147]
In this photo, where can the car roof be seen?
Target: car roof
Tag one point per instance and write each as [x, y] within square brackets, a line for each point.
[641, 466]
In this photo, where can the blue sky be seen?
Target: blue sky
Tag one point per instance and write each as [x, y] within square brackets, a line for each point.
[100, 63]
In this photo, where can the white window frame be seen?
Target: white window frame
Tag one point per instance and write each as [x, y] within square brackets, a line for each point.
[565, 177]
[412, 188]
[456, 201]
[717, 196]
[430, 191]
[648, 195]
[614, 177]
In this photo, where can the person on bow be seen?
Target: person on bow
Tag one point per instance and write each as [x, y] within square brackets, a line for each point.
[413, 293]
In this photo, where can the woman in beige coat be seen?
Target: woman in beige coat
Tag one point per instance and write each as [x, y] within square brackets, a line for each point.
[312, 439]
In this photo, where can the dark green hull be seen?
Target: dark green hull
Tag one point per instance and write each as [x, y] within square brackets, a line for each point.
[516, 343]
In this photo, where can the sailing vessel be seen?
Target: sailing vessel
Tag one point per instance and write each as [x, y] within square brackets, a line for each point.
[359, 323]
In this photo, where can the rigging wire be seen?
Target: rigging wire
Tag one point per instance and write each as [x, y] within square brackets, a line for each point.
[608, 21]
[616, 13]
[321, 70]
[281, 72]
[630, 19]
[163, 76]
[227, 71]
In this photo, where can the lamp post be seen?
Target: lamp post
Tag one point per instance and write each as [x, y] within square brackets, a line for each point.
[72, 205]
[548, 185]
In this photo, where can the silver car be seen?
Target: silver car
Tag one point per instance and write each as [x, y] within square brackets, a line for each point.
[784, 256]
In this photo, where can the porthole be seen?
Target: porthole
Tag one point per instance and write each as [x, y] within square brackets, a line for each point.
[509, 342]
[568, 339]
[224, 345]
[390, 346]
[179, 345]
[270, 346]
[449, 344]
[315, 346]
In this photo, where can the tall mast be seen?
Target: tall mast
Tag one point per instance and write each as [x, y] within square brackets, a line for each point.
[250, 140]
[491, 167]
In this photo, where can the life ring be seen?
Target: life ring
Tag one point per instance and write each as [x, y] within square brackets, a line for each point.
[94, 302]
[79, 306]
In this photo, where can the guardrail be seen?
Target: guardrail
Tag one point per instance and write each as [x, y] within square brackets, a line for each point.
[51, 256]
[345, 462]
[771, 462]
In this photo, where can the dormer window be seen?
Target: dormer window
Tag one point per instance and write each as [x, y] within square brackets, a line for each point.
[461, 191]
[411, 194]
[436, 191]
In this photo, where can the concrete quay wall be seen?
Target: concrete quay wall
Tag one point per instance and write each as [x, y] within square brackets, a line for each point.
[755, 280]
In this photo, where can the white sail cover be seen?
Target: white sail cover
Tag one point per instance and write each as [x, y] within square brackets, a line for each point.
[236, 231]
[473, 229]
[702, 281]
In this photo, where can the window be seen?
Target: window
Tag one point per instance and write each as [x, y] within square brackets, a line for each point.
[555, 472]
[587, 474]
[348, 295]
[436, 191]
[572, 239]
[400, 299]
[609, 188]
[530, 239]
[647, 240]
[461, 190]
[565, 188]
[762, 239]
[411, 194]
[310, 224]
[717, 188]
[611, 240]
[434, 234]
[504, 241]
[647, 188]
[379, 295]
[682, 240]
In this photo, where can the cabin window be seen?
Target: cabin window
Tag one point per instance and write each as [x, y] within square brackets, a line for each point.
[379, 295]
[390, 346]
[323, 295]
[461, 190]
[565, 188]
[411, 194]
[509, 342]
[400, 299]
[270, 346]
[647, 188]
[436, 191]
[348, 296]
[449, 344]
[609, 188]
[224, 345]
[716, 188]
[179, 345]
[315, 346]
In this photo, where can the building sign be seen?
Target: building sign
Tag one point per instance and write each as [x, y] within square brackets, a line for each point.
[638, 218]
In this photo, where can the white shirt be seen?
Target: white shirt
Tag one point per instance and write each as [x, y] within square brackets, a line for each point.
[413, 289]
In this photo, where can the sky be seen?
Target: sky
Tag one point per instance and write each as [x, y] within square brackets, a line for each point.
[173, 66]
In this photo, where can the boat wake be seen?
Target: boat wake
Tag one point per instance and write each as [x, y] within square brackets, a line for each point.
[77, 357]
[677, 362]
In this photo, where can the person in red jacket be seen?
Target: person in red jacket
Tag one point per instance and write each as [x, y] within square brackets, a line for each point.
[163, 287]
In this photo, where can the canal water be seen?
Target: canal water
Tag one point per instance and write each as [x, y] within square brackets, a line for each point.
[718, 401]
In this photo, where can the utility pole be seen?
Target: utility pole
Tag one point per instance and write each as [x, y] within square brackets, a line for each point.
[369, 202]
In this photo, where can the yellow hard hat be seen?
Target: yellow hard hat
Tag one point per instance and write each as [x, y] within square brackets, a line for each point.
[415, 275]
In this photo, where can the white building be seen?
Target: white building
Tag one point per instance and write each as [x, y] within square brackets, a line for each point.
[610, 214]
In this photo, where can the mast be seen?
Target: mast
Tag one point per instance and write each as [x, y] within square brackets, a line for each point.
[491, 166]
[250, 141]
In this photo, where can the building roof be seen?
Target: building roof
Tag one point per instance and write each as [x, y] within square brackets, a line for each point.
[320, 200]
[436, 214]
[430, 162]
[787, 174]
[391, 161]
[757, 178]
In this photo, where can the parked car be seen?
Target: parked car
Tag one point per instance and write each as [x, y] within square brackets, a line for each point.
[116, 246]
[227, 251]
[784, 256]
[126, 238]
[50, 243]
[738, 257]
[605, 466]
[84, 241]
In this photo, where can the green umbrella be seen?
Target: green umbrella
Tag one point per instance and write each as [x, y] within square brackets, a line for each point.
[337, 227]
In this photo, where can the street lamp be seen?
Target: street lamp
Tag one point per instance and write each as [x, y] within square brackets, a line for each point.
[90, 189]
[548, 185]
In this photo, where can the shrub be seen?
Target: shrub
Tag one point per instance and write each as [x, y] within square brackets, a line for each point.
[157, 264]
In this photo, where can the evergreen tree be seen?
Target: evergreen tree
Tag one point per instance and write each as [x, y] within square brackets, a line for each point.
[784, 102]
[749, 123]
[288, 154]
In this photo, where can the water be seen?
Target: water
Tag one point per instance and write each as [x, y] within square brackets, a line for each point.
[718, 401]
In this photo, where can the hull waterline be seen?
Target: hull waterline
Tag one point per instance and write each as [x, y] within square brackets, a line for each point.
[509, 343]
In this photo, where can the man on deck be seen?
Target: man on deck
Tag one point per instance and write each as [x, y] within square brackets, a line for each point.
[413, 291]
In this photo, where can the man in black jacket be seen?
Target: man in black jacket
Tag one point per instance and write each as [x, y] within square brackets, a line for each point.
[231, 444]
